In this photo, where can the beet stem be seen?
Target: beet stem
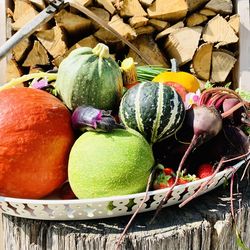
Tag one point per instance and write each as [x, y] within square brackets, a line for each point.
[136, 211]
[165, 198]
[203, 184]
[223, 160]
[231, 110]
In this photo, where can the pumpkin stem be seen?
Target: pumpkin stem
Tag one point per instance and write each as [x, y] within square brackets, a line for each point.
[24, 78]
[101, 50]
[174, 65]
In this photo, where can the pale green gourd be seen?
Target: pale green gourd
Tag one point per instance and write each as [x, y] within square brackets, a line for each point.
[90, 77]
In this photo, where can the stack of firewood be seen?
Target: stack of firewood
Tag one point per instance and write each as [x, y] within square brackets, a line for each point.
[201, 34]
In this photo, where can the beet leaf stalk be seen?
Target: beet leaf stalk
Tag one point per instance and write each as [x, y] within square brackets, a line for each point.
[137, 210]
[210, 179]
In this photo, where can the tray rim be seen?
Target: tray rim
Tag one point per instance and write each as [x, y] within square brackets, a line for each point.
[230, 169]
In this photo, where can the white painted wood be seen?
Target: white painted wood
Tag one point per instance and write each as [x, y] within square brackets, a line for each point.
[3, 63]
[244, 59]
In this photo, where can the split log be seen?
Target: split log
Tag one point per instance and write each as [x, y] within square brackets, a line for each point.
[202, 61]
[234, 22]
[101, 13]
[75, 25]
[35, 69]
[132, 8]
[179, 47]
[145, 30]
[171, 10]
[138, 21]
[219, 31]
[107, 5]
[38, 4]
[20, 50]
[222, 63]
[122, 28]
[89, 41]
[57, 61]
[195, 19]
[84, 2]
[37, 56]
[195, 4]
[53, 40]
[169, 30]
[159, 24]
[220, 6]
[23, 13]
[150, 49]
[207, 12]
[146, 3]
[13, 70]
[106, 37]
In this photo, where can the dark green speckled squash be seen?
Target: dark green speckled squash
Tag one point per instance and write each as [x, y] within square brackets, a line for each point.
[90, 77]
[153, 109]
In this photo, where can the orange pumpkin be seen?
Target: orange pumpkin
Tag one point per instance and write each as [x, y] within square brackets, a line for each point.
[36, 137]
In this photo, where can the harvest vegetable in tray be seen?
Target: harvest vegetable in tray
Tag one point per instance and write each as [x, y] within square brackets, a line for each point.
[86, 132]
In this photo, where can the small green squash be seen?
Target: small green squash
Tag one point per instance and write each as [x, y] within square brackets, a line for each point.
[155, 110]
[90, 77]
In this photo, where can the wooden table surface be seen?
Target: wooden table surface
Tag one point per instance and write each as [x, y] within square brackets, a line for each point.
[205, 223]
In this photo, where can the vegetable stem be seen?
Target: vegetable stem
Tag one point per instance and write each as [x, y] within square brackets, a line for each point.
[234, 108]
[137, 210]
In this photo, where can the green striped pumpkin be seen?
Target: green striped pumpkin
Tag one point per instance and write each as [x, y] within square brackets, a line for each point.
[90, 77]
[153, 109]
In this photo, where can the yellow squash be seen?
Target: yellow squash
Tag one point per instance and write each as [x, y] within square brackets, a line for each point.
[187, 80]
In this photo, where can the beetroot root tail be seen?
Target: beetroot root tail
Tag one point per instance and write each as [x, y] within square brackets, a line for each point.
[136, 212]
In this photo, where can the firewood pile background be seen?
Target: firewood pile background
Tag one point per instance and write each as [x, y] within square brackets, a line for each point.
[202, 35]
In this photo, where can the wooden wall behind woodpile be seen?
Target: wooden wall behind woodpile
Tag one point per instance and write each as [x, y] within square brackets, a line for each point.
[202, 35]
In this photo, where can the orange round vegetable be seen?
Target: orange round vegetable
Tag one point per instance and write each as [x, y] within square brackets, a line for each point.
[187, 80]
[36, 137]
[179, 89]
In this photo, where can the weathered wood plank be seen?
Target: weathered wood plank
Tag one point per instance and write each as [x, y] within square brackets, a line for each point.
[244, 62]
[205, 223]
